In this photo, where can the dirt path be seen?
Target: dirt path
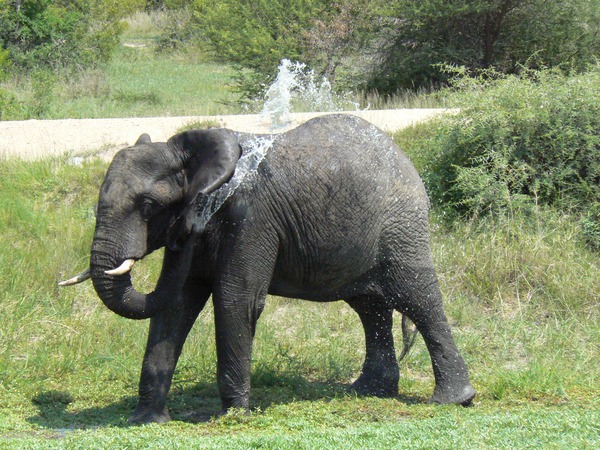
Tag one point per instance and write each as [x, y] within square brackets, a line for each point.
[34, 139]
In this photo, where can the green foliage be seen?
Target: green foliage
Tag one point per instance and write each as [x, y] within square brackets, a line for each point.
[43, 41]
[4, 62]
[337, 36]
[255, 35]
[179, 31]
[42, 34]
[418, 36]
[517, 141]
[590, 226]
[387, 46]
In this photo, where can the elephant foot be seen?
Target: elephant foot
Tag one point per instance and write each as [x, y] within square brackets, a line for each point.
[239, 403]
[462, 395]
[141, 416]
[370, 386]
[240, 412]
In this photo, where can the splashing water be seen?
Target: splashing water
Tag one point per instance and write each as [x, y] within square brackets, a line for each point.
[253, 152]
[297, 84]
[278, 99]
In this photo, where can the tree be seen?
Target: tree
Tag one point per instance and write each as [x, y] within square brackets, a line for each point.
[255, 35]
[415, 36]
[341, 29]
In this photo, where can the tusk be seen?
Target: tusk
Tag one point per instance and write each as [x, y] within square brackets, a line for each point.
[85, 275]
[122, 269]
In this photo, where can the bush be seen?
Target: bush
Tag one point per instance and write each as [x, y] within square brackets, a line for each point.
[254, 35]
[518, 142]
[46, 34]
[590, 226]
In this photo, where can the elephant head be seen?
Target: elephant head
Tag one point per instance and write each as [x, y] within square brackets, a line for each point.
[146, 202]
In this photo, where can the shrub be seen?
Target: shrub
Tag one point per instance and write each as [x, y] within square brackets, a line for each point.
[254, 35]
[42, 34]
[590, 226]
[517, 140]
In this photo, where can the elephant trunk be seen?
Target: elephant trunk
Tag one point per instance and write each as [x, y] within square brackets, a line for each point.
[117, 291]
[112, 281]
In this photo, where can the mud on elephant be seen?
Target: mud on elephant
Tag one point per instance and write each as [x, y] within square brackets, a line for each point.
[330, 210]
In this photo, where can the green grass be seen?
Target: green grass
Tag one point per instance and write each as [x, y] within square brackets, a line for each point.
[142, 83]
[139, 81]
[334, 424]
[522, 298]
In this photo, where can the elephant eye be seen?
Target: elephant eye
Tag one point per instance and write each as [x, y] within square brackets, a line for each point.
[147, 209]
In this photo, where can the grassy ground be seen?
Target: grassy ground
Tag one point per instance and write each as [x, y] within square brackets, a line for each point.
[522, 300]
[139, 81]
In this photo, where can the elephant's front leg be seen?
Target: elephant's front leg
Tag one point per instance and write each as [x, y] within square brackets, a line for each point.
[236, 314]
[168, 331]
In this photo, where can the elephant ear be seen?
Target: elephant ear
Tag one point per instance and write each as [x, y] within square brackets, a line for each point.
[143, 139]
[209, 159]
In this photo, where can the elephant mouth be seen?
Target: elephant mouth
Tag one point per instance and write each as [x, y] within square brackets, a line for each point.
[112, 281]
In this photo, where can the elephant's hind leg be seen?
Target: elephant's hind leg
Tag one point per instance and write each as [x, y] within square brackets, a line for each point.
[417, 295]
[168, 332]
[380, 373]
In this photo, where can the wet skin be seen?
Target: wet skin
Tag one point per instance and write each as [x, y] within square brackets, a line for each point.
[334, 211]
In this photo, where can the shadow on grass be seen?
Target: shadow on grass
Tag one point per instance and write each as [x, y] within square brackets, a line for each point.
[188, 402]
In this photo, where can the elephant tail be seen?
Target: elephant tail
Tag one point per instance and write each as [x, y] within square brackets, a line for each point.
[409, 335]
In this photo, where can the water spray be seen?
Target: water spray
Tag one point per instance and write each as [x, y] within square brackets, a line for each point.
[297, 85]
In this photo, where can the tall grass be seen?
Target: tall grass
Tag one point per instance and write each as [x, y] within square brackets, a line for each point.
[422, 98]
[527, 290]
[148, 25]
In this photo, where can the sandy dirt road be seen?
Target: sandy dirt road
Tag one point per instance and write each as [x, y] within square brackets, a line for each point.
[34, 139]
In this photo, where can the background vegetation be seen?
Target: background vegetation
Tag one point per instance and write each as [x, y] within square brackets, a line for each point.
[478, 34]
[391, 45]
[518, 142]
[369, 47]
[137, 80]
[46, 34]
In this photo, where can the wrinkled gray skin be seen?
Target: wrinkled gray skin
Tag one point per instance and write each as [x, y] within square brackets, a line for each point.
[335, 211]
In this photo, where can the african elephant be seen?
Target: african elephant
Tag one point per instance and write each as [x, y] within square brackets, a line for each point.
[330, 210]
